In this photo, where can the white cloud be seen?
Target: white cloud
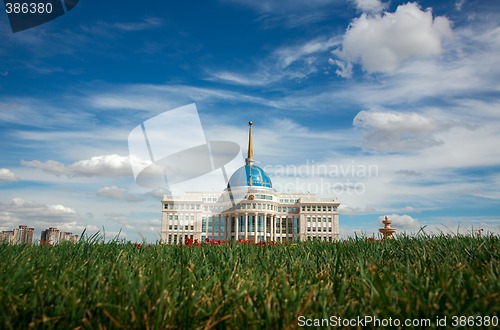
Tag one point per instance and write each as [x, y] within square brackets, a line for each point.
[288, 55]
[380, 43]
[61, 209]
[262, 78]
[267, 73]
[461, 225]
[33, 112]
[370, 6]
[396, 130]
[7, 175]
[105, 165]
[402, 222]
[31, 207]
[344, 68]
[50, 166]
[280, 6]
[408, 172]
[459, 4]
[400, 121]
[146, 24]
[119, 193]
[159, 98]
[157, 194]
[151, 226]
[293, 62]
[38, 215]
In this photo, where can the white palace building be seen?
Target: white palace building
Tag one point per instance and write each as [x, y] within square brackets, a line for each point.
[249, 209]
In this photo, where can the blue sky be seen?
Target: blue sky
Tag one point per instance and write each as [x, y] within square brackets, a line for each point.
[409, 90]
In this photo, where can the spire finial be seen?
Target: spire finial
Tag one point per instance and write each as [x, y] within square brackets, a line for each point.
[249, 159]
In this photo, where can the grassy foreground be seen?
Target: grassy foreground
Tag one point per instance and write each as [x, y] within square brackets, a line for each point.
[93, 285]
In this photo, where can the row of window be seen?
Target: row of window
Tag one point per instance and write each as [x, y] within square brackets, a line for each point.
[176, 206]
[256, 196]
[318, 229]
[176, 227]
[319, 208]
[287, 209]
[218, 224]
[319, 219]
[210, 199]
[181, 217]
[320, 238]
[286, 200]
[256, 206]
[192, 207]
[178, 239]
[260, 196]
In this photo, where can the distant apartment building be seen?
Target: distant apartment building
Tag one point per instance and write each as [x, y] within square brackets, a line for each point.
[54, 236]
[21, 235]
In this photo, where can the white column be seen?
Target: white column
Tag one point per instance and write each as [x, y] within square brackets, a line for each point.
[265, 227]
[271, 218]
[256, 223]
[280, 229]
[246, 226]
[275, 218]
[273, 228]
[227, 227]
[180, 227]
[213, 226]
[237, 223]
[217, 229]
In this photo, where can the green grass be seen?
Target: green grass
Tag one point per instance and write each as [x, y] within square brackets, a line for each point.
[94, 285]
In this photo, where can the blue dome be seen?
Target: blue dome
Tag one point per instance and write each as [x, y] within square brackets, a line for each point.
[249, 176]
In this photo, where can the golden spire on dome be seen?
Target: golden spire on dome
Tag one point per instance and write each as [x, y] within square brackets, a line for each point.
[249, 159]
[250, 147]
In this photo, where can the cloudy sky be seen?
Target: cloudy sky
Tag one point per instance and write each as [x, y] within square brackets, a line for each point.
[392, 107]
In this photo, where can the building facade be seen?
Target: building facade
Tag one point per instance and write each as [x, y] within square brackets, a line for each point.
[249, 209]
[21, 235]
[53, 236]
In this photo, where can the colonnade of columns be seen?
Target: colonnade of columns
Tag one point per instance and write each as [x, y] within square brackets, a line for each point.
[258, 226]
[254, 226]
